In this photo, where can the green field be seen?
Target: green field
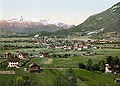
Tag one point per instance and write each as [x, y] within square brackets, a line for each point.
[49, 77]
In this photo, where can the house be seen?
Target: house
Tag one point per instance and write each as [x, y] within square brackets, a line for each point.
[23, 55]
[114, 70]
[50, 46]
[0, 56]
[59, 47]
[7, 54]
[13, 62]
[34, 68]
[96, 47]
[108, 68]
[86, 46]
[69, 48]
[79, 48]
[41, 55]
[117, 79]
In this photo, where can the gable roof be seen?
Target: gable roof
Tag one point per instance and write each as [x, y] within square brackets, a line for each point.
[6, 53]
[10, 59]
[33, 64]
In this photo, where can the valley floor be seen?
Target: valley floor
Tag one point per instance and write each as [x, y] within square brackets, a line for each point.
[55, 69]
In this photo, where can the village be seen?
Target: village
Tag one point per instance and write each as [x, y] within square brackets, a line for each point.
[34, 55]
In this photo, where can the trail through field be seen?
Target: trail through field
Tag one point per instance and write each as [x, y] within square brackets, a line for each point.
[52, 68]
[7, 72]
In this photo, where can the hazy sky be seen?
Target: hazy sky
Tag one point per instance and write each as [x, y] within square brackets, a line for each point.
[67, 11]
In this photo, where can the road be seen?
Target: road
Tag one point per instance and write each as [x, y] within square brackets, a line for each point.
[57, 68]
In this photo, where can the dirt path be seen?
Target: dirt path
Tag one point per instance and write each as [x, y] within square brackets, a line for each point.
[57, 68]
[7, 72]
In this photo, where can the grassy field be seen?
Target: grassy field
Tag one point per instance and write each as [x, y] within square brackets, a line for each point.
[45, 78]
[48, 78]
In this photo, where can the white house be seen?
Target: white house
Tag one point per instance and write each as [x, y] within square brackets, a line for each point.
[85, 47]
[41, 55]
[79, 48]
[107, 68]
[13, 62]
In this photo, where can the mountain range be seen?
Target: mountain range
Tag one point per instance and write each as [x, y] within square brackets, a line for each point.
[104, 25]
[22, 26]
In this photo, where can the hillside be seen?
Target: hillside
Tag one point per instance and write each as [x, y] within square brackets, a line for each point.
[96, 25]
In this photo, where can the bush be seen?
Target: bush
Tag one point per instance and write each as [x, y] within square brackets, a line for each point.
[82, 66]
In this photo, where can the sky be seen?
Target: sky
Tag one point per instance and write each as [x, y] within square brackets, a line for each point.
[66, 11]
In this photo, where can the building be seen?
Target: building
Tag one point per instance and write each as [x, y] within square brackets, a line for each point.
[42, 55]
[117, 79]
[115, 69]
[13, 62]
[7, 54]
[79, 48]
[34, 68]
[108, 68]
[22, 55]
[0, 56]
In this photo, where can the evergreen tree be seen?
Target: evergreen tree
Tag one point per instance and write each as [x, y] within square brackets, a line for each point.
[89, 65]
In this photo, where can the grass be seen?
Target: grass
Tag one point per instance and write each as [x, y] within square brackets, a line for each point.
[48, 78]
[63, 62]
[93, 79]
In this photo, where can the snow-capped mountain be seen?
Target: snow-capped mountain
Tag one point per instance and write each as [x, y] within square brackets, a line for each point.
[59, 24]
[21, 25]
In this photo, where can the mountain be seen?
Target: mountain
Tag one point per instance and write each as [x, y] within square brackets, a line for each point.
[102, 25]
[22, 26]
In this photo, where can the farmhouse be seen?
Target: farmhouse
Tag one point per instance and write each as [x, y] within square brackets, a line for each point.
[41, 55]
[59, 47]
[107, 68]
[79, 48]
[7, 54]
[0, 56]
[13, 62]
[34, 68]
[115, 70]
[23, 55]
[117, 79]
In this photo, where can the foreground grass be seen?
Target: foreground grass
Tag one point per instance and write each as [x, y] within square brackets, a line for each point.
[48, 78]
[93, 79]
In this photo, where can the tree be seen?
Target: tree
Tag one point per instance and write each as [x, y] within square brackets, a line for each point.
[102, 65]
[95, 67]
[89, 65]
[113, 61]
[110, 61]
[65, 56]
[54, 56]
[82, 66]
[31, 54]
